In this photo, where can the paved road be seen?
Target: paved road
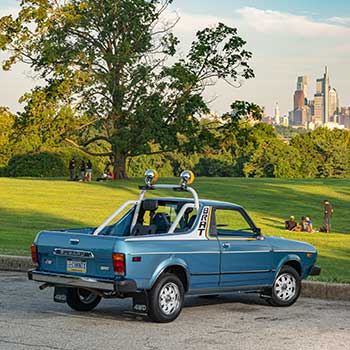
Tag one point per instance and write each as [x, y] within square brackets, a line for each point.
[29, 319]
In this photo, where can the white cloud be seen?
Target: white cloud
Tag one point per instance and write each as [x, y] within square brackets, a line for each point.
[269, 21]
[340, 20]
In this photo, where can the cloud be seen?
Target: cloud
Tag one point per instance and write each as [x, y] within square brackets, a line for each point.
[269, 21]
[340, 20]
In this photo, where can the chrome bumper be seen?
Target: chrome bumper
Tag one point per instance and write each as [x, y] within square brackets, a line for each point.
[123, 286]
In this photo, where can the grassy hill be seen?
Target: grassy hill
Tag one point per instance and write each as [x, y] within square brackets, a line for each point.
[30, 205]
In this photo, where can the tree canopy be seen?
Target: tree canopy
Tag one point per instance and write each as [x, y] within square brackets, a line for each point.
[108, 79]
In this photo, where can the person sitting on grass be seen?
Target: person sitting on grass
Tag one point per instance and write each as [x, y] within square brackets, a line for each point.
[303, 224]
[291, 224]
[309, 226]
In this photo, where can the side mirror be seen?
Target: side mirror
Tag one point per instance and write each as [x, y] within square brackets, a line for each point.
[258, 232]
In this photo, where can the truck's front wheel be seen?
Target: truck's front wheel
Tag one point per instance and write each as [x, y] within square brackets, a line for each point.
[81, 299]
[166, 299]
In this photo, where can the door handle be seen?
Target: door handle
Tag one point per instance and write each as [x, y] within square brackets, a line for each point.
[226, 245]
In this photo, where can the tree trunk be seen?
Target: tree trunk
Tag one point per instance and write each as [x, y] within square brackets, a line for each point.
[119, 167]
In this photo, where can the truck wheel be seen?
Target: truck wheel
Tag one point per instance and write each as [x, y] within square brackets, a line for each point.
[286, 288]
[80, 299]
[166, 299]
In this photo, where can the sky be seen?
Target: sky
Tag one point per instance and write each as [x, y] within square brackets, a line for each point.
[287, 39]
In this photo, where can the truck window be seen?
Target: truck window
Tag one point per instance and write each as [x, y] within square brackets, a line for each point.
[231, 222]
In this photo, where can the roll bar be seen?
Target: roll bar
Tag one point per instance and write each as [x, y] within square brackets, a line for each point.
[163, 186]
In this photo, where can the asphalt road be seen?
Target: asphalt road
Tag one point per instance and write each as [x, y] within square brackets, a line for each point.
[29, 319]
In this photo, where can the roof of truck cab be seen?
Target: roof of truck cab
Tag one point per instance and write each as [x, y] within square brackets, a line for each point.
[204, 202]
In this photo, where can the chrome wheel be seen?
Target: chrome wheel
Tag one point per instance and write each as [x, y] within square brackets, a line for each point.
[169, 298]
[285, 287]
[86, 297]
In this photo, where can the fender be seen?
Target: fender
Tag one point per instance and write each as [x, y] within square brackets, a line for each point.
[171, 261]
[287, 258]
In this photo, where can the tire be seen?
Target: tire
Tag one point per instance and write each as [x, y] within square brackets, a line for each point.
[80, 299]
[166, 299]
[286, 287]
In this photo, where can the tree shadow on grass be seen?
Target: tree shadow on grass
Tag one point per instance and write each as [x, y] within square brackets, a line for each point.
[18, 228]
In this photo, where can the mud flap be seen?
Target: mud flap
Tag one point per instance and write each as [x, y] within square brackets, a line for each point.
[60, 295]
[140, 303]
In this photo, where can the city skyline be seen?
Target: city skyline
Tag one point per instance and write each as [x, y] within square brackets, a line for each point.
[285, 38]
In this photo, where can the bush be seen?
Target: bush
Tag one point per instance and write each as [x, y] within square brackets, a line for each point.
[50, 163]
[214, 167]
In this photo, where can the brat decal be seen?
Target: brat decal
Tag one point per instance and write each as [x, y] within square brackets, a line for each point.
[203, 224]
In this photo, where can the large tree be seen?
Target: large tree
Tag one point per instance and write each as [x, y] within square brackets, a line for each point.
[106, 64]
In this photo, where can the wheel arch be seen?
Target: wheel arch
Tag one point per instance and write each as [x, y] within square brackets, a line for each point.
[293, 261]
[175, 266]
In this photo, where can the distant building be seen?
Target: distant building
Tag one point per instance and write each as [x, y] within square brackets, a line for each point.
[322, 107]
[333, 104]
[299, 99]
[302, 86]
[318, 108]
[277, 114]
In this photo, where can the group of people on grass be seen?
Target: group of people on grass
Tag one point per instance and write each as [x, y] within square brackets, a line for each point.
[85, 170]
[306, 225]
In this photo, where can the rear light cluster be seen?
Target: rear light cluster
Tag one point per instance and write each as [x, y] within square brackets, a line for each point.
[34, 250]
[118, 264]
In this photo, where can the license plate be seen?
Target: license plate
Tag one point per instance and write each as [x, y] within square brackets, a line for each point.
[76, 266]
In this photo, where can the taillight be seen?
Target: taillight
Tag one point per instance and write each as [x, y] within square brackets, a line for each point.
[34, 250]
[118, 264]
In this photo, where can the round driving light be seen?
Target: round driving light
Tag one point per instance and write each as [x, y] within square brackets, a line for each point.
[187, 177]
[151, 177]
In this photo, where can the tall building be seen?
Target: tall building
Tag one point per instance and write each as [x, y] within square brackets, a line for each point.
[299, 99]
[321, 104]
[301, 111]
[302, 85]
[318, 108]
[277, 114]
[325, 91]
[333, 103]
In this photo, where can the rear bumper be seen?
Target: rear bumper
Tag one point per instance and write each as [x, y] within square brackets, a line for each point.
[123, 286]
[315, 271]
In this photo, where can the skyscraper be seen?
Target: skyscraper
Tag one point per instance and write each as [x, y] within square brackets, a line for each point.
[277, 114]
[325, 91]
[322, 99]
[302, 85]
[333, 103]
[300, 109]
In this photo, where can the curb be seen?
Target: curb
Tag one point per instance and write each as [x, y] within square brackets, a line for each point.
[310, 289]
[15, 263]
[326, 290]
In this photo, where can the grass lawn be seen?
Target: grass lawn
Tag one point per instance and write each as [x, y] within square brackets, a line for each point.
[30, 205]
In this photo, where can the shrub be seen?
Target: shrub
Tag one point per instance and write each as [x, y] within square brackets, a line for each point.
[50, 163]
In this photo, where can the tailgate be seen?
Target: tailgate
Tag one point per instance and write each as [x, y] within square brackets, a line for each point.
[75, 253]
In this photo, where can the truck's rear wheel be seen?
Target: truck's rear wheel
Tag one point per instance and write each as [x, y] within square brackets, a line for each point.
[166, 299]
[286, 288]
[81, 299]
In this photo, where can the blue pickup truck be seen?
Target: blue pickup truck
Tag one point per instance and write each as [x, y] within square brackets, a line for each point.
[162, 249]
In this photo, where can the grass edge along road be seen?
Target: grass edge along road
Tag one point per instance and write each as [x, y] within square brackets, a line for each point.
[30, 205]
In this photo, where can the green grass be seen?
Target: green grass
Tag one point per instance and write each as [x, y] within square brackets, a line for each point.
[30, 205]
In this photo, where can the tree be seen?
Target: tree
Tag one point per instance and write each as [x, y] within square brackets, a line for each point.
[7, 121]
[112, 57]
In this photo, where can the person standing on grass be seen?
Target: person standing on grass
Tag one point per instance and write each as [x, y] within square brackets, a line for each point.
[82, 170]
[88, 170]
[328, 211]
[72, 169]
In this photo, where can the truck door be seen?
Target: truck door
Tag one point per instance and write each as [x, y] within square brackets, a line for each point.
[246, 260]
